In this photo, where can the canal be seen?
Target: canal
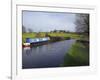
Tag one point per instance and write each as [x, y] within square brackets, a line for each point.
[50, 55]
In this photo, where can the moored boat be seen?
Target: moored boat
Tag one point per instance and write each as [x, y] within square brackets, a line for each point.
[35, 41]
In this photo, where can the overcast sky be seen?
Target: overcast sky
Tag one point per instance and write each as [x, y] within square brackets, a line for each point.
[48, 21]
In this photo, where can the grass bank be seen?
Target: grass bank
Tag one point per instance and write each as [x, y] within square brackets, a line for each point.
[78, 55]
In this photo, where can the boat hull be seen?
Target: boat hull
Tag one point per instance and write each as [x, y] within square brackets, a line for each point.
[39, 43]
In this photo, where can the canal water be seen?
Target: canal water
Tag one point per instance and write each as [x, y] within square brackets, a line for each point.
[50, 55]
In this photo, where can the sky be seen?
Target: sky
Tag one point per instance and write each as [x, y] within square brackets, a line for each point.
[48, 21]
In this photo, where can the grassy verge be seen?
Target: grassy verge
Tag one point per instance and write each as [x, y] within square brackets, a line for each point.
[78, 55]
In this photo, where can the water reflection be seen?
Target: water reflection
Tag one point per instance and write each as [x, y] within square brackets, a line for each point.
[50, 55]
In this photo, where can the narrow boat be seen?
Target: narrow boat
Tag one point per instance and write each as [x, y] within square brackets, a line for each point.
[36, 41]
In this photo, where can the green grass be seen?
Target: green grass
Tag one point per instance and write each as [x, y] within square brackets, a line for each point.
[65, 35]
[78, 55]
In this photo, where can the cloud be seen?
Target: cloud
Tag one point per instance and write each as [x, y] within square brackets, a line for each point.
[47, 21]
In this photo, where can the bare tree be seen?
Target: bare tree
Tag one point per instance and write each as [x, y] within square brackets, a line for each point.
[23, 29]
[30, 30]
[82, 23]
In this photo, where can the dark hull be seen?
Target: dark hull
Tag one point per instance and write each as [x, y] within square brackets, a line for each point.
[39, 43]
